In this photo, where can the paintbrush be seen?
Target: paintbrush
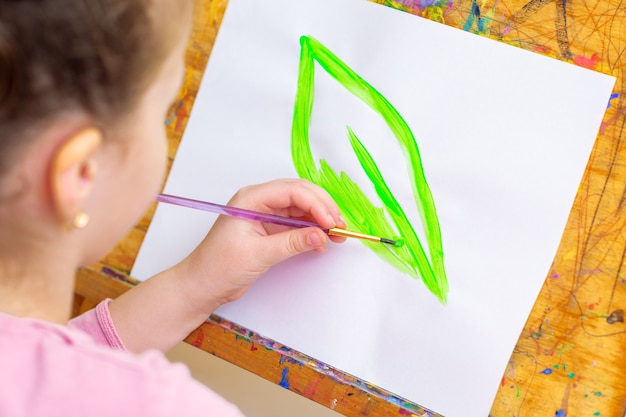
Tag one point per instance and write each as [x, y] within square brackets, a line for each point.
[265, 217]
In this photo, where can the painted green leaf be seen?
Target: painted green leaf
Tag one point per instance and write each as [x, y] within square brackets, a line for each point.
[359, 212]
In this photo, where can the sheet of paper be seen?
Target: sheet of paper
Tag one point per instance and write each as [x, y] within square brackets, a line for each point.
[504, 136]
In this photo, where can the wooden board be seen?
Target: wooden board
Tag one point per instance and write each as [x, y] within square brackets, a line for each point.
[569, 359]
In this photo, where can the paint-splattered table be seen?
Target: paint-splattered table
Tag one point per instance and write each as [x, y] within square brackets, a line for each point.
[571, 355]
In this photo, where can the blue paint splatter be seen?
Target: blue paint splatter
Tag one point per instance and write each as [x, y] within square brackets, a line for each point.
[474, 14]
[560, 413]
[546, 371]
[614, 95]
[284, 381]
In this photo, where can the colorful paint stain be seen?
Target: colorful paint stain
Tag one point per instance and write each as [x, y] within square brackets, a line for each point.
[358, 211]
[585, 62]
[546, 371]
[311, 389]
[416, 6]
[614, 96]
[118, 275]
[404, 412]
[542, 49]
[197, 342]
[284, 380]
[434, 13]
[560, 349]
[560, 413]
[478, 22]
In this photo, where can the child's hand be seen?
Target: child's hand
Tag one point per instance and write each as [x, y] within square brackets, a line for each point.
[231, 257]
[236, 252]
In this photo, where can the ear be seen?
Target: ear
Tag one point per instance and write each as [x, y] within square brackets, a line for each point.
[73, 173]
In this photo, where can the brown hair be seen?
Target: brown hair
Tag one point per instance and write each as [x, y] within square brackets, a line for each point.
[91, 56]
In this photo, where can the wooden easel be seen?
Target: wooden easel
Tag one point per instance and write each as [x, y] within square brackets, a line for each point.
[569, 358]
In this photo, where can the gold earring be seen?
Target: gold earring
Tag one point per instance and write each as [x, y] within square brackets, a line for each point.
[80, 220]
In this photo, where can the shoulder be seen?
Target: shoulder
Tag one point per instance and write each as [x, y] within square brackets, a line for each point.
[50, 370]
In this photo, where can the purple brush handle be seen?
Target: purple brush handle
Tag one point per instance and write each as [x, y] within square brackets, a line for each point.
[236, 212]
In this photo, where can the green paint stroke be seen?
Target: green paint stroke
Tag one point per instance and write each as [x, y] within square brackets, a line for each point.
[359, 212]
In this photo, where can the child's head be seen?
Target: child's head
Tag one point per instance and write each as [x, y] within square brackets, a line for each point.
[84, 87]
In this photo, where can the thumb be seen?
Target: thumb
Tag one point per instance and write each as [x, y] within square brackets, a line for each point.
[282, 246]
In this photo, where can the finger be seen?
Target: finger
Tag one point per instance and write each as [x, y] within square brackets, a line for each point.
[326, 199]
[282, 246]
[291, 197]
[338, 239]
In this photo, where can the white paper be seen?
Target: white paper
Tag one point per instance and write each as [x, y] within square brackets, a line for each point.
[504, 136]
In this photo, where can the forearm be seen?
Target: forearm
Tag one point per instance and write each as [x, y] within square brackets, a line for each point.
[160, 312]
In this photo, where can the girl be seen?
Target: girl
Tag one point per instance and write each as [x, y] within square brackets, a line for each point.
[84, 88]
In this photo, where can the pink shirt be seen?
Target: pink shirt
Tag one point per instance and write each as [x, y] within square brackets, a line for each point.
[84, 370]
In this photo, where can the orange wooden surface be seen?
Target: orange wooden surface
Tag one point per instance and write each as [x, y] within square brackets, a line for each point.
[571, 355]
